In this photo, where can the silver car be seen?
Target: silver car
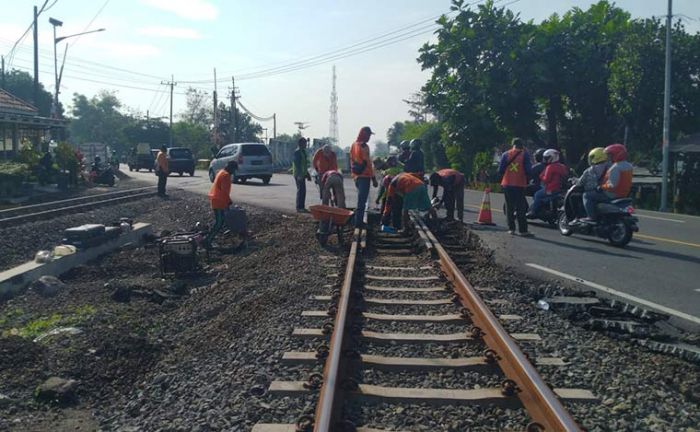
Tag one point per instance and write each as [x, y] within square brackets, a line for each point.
[254, 160]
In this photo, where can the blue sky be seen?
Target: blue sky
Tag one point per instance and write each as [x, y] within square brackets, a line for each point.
[148, 40]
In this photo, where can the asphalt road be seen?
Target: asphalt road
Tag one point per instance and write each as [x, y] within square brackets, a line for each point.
[659, 269]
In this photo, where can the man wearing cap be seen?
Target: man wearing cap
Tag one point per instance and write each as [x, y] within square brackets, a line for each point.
[362, 171]
[300, 171]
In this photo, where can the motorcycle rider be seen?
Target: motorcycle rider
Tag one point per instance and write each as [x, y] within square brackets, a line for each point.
[591, 178]
[536, 170]
[416, 160]
[552, 178]
[405, 148]
[617, 182]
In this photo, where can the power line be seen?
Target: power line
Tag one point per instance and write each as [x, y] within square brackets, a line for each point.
[99, 11]
[247, 111]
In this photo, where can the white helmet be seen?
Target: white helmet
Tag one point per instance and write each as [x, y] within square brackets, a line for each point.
[550, 156]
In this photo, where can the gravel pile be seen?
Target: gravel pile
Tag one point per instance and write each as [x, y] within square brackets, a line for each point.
[639, 390]
[197, 361]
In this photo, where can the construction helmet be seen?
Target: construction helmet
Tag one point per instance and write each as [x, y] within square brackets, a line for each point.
[404, 145]
[538, 154]
[415, 144]
[550, 156]
[617, 152]
[597, 156]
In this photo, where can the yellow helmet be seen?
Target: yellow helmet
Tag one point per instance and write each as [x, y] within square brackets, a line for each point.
[597, 155]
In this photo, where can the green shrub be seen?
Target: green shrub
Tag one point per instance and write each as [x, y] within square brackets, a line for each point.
[12, 175]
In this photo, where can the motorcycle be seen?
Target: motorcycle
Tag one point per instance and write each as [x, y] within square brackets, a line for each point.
[103, 176]
[614, 222]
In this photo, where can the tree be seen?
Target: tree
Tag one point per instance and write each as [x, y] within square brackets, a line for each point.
[393, 135]
[246, 131]
[98, 119]
[381, 149]
[198, 109]
[21, 84]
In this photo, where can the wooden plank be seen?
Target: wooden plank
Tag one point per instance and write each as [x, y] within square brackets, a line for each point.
[391, 252]
[383, 301]
[320, 297]
[315, 313]
[550, 361]
[416, 337]
[433, 395]
[526, 336]
[414, 362]
[405, 363]
[411, 337]
[395, 268]
[274, 427]
[403, 289]
[403, 278]
[449, 318]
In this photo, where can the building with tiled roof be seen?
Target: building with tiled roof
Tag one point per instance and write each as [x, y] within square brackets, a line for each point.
[20, 120]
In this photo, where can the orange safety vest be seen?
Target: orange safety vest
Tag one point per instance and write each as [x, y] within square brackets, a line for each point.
[515, 172]
[219, 194]
[359, 154]
[323, 163]
[162, 161]
[624, 184]
[448, 172]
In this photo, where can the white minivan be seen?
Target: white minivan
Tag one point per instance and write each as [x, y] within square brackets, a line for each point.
[254, 160]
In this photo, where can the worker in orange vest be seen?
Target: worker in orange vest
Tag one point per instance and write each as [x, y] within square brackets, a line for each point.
[515, 168]
[162, 170]
[452, 182]
[220, 198]
[362, 171]
[406, 192]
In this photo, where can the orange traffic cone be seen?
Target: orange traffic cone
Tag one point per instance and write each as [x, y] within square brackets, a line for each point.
[485, 210]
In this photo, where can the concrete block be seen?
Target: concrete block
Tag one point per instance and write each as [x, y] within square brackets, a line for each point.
[15, 280]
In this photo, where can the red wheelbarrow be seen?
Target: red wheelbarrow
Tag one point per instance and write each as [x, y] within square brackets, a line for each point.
[330, 219]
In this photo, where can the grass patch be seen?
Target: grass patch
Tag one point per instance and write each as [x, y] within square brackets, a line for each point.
[36, 327]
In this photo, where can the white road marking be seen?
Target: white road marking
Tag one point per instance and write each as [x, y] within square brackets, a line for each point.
[620, 294]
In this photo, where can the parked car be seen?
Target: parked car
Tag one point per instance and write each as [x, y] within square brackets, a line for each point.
[254, 161]
[141, 157]
[180, 160]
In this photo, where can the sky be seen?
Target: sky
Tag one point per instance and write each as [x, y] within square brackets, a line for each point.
[279, 51]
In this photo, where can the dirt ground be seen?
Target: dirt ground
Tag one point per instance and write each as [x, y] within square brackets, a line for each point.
[203, 331]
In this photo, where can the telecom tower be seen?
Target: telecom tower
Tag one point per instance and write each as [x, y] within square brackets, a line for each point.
[333, 129]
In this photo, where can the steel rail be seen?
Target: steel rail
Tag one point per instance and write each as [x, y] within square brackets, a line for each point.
[536, 396]
[83, 206]
[33, 208]
[326, 406]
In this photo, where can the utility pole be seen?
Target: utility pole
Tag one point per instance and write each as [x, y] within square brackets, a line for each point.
[667, 111]
[172, 84]
[2, 81]
[234, 112]
[274, 126]
[216, 113]
[36, 57]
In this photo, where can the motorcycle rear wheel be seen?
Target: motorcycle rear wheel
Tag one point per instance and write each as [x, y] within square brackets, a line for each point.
[563, 225]
[620, 234]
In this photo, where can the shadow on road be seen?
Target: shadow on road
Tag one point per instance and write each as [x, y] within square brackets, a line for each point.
[665, 254]
[259, 184]
[579, 247]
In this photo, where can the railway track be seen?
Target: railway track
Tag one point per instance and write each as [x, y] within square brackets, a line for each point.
[405, 335]
[51, 209]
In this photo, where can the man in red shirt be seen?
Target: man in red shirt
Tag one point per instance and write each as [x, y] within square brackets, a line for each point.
[325, 160]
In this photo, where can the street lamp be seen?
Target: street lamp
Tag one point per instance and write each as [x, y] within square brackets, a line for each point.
[57, 78]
